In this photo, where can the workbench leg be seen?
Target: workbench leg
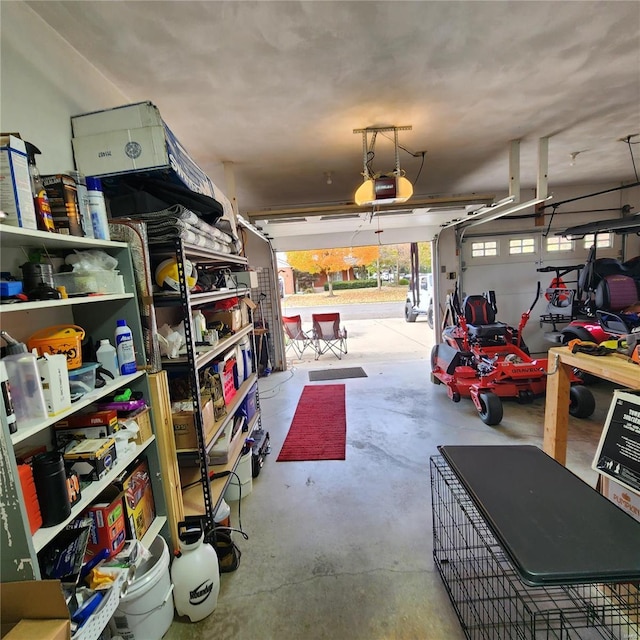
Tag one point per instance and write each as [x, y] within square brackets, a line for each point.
[556, 413]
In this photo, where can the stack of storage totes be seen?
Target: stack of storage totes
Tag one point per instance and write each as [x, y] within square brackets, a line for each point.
[178, 222]
[134, 233]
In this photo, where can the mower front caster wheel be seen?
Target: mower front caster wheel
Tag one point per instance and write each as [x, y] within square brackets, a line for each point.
[581, 402]
[491, 408]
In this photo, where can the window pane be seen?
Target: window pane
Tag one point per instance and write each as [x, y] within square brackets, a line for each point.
[482, 249]
[521, 245]
[559, 243]
[605, 241]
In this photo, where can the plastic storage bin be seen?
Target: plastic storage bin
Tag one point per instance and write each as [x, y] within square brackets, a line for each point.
[60, 338]
[83, 380]
[93, 282]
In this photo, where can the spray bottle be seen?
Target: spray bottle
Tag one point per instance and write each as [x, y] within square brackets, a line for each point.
[40, 198]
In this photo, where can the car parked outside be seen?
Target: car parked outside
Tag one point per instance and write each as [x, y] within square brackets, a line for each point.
[420, 302]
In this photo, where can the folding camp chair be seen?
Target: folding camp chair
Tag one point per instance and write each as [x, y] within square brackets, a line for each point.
[328, 334]
[296, 338]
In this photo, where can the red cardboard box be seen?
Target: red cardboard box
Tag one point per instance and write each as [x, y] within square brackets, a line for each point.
[107, 418]
[138, 499]
[107, 523]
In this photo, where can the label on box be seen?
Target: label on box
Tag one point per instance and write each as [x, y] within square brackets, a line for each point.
[618, 453]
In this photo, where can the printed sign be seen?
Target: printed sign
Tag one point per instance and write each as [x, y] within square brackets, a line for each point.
[618, 454]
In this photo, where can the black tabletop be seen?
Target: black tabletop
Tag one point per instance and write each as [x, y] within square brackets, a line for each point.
[555, 528]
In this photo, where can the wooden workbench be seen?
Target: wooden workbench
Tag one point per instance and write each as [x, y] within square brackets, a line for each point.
[615, 368]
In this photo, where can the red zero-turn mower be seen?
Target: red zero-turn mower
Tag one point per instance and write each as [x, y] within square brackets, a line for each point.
[488, 360]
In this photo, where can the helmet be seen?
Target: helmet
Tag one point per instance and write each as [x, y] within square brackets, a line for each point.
[167, 274]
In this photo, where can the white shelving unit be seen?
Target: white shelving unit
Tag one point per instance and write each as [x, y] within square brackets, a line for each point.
[97, 315]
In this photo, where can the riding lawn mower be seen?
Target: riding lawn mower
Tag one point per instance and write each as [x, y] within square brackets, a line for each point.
[488, 361]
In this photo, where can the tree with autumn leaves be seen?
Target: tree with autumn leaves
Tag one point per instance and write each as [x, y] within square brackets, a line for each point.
[330, 261]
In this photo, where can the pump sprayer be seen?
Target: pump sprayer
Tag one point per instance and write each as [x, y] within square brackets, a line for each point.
[40, 198]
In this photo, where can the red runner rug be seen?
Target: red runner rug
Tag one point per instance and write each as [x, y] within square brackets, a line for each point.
[318, 430]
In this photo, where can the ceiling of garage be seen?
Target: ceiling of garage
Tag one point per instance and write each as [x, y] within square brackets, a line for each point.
[277, 88]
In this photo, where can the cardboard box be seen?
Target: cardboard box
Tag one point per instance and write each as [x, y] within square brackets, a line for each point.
[184, 427]
[93, 458]
[34, 609]
[83, 426]
[138, 499]
[231, 318]
[143, 419]
[55, 382]
[107, 522]
[16, 197]
[135, 138]
[626, 499]
[107, 418]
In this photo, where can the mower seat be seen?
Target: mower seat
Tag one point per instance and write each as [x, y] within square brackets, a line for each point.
[616, 296]
[616, 292]
[480, 318]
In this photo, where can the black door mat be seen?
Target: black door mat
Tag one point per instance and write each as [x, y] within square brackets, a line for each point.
[337, 374]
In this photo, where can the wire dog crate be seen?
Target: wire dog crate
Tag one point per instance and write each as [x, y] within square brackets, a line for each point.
[491, 600]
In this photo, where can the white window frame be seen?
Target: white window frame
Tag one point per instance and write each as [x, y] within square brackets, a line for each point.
[481, 245]
[560, 240]
[605, 240]
[522, 249]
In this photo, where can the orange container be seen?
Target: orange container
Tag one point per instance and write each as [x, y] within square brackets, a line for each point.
[60, 338]
[30, 497]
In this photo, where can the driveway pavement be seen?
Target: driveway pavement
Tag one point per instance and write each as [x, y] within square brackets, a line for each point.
[390, 339]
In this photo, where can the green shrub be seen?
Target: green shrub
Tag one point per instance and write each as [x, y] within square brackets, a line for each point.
[403, 281]
[352, 284]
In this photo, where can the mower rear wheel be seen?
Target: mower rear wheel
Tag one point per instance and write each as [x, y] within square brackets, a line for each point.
[491, 411]
[581, 402]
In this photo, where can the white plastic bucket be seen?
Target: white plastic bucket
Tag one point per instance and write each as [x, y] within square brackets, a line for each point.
[145, 611]
[222, 516]
[245, 484]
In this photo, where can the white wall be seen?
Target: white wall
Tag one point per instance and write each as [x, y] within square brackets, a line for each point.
[43, 82]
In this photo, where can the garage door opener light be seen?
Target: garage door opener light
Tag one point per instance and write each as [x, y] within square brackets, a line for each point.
[381, 188]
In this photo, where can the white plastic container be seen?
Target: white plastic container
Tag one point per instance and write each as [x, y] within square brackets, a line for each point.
[237, 490]
[108, 357]
[199, 325]
[97, 209]
[26, 389]
[245, 348]
[124, 348]
[145, 611]
[5, 386]
[195, 575]
[222, 515]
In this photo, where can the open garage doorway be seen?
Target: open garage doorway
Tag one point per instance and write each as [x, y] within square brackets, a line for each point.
[371, 290]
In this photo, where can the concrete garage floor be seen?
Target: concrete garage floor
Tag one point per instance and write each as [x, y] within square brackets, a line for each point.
[341, 550]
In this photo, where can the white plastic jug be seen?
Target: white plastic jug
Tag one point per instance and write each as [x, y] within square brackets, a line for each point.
[195, 574]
